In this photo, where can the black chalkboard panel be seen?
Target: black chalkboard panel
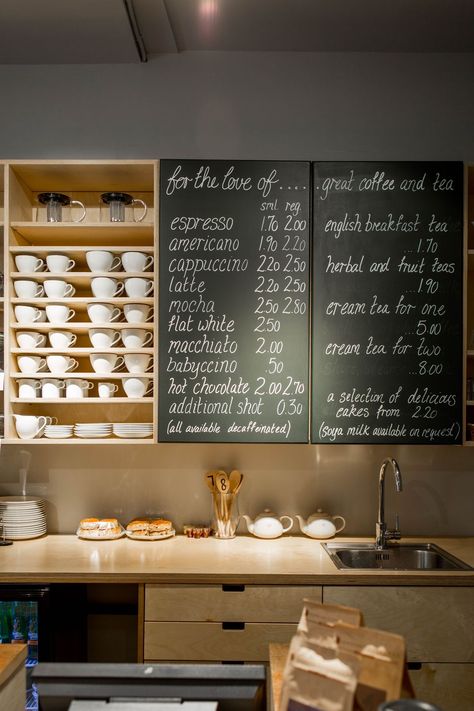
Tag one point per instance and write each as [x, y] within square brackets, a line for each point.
[234, 293]
[387, 303]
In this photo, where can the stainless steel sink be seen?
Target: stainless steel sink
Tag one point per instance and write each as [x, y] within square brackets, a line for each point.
[403, 556]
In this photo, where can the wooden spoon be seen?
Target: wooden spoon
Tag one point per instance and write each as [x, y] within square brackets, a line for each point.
[222, 482]
[235, 480]
[210, 479]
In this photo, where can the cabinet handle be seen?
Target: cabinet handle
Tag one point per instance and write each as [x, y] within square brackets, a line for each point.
[233, 625]
[233, 588]
[414, 666]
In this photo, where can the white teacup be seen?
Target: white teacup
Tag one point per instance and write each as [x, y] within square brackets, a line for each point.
[103, 363]
[59, 263]
[61, 340]
[106, 287]
[28, 263]
[27, 314]
[138, 362]
[104, 337]
[136, 337]
[107, 389]
[102, 261]
[30, 339]
[136, 261]
[29, 426]
[137, 313]
[61, 364]
[30, 364]
[28, 389]
[27, 289]
[138, 287]
[137, 387]
[78, 388]
[51, 388]
[59, 313]
[103, 313]
[58, 289]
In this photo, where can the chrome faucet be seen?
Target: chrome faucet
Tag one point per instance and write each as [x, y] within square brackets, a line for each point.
[382, 534]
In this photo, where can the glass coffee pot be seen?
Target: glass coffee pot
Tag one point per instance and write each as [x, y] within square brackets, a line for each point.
[54, 206]
[117, 203]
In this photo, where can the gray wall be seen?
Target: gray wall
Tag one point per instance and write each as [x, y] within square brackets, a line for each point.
[247, 106]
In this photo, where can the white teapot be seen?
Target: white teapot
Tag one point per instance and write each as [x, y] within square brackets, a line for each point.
[321, 525]
[267, 524]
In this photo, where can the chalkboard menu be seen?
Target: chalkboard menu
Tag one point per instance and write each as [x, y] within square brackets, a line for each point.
[234, 301]
[387, 303]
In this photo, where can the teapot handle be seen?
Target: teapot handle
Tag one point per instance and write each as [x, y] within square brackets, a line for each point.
[287, 528]
[341, 528]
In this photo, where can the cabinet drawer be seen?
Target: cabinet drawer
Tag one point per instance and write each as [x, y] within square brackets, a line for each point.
[436, 622]
[449, 686]
[210, 641]
[227, 603]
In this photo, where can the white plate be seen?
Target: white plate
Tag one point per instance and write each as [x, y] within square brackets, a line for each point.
[133, 435]
[59, 435]
[95, 537]
[21, 500]
[151, 537]
[92, 435]
[23, 537]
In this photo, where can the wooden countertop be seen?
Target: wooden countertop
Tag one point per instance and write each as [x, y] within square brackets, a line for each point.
[296, 560]
[12, 656]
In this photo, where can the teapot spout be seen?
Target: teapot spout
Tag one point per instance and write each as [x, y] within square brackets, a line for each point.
[301, 522]
[249, 522]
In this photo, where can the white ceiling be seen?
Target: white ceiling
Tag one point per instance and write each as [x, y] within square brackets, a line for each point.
[124, 31]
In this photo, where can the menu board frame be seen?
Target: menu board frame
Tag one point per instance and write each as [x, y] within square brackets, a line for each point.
[262, 313]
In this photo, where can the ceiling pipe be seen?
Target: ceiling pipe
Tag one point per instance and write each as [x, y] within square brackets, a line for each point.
[135, 29]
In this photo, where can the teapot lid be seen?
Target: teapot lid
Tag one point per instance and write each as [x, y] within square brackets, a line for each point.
[267, 513]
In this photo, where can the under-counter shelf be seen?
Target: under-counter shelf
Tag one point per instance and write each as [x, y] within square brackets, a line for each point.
[90, 234]
[79, 440]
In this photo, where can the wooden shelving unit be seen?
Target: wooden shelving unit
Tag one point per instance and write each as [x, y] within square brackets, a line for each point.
[28, 232]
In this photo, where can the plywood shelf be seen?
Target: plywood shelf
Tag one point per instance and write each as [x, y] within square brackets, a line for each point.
[85, 401]
[87, 234]
[86, 375]
[83, 301]
[80, 326]
[80, 351]
[78, 440]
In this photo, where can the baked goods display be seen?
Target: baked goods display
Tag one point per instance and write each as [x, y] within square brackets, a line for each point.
[99, 529]
[149, 529]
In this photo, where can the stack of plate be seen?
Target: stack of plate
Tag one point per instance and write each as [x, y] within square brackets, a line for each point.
[22, 517]
[58, 431]
[133, 430]
[93, 430]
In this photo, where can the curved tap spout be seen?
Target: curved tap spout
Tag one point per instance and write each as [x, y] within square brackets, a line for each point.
[382, 535]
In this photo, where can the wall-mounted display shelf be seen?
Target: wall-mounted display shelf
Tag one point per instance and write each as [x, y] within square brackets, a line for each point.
[44, 299]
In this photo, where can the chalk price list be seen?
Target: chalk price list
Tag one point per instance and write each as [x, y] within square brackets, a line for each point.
[234, 324]
[281, 299]
[388, 309]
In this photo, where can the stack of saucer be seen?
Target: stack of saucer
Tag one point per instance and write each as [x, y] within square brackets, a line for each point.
[93, 430]
[133, 430]
[58, 431]
[22, 517]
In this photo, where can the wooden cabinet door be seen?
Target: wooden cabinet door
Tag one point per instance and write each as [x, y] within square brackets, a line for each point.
[435, 621]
